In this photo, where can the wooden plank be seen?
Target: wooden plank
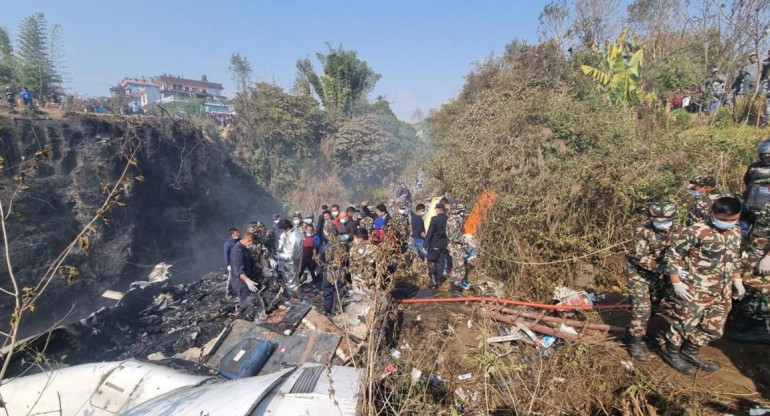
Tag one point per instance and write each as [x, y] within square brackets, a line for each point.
[347, 347]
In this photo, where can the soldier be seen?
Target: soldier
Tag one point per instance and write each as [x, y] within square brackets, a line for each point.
[646, 267]
[454, 231]
[704, 265]
[703, 189]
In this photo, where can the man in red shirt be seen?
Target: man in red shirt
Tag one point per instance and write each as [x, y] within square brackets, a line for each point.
[310, 245]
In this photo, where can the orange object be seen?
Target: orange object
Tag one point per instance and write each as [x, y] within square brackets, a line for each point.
[515, 302]
[480, 211]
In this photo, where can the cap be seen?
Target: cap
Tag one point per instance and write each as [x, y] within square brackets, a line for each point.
[276, 216]
[457, 208]
[703, 180]
[663, 209]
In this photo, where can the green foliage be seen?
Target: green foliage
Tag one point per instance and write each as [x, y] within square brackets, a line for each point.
[619, 74]
[36, 65]
[240, 68]
[7, 59]
[676, 75]
[345, 82]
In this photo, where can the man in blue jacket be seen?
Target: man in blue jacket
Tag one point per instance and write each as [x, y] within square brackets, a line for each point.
[229, 243]
[243, 272]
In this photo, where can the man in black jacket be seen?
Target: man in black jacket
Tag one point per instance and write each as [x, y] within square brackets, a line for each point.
[437, 242]
[243, 271]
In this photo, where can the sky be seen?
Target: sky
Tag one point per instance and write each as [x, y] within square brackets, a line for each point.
[422, 49]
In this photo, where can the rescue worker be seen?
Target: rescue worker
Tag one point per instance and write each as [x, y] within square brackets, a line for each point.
[289, 257]
[756, 197]
[703, 189]
[436, 243]
[296, 220]
[454, 230]
[345, 229]
[233, 238]
[418, 235]
[756, 277]
[243, 273]
[333, 257]
[311, 243]
[749, 76]
[714, 91]
[704, 266]
[645, 270]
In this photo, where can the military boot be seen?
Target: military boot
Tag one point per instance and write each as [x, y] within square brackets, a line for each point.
[636, 349]
[671, 357]
[690, 353]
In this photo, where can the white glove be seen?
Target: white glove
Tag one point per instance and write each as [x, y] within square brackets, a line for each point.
[682, 291]
[764, 265]
[739, 289]
[251, 285]
[229, 269]
[682, 272]
[273, 264]
[267, 272]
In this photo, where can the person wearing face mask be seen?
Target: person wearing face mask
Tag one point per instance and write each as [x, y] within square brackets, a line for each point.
[296, 221]
[310, 245]
[324, 227]
[335, 210]
[645, 270]
[346, 228]
[704, 266]
[703, 189]
[289, 257]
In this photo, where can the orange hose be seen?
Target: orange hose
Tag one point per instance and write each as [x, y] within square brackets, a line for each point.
[515, 302]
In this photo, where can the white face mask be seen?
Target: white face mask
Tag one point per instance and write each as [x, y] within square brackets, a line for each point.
[296, 222]
[662, 225]
[335, 213]
[308, 220]
[402, 211]
[276, 221]
[343, 220]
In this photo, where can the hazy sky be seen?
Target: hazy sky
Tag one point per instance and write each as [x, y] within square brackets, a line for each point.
[422, 49]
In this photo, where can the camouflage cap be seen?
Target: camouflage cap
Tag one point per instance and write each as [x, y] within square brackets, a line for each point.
[457, 208]
[663, 209]
[703, 180]
[764, 147]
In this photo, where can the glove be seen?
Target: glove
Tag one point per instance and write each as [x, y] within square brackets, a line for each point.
[273, 264]
[764, 265]
[251, 285]
[682, 272]
[229, 269]
[682, 291]
[739, 289]
[267, 272]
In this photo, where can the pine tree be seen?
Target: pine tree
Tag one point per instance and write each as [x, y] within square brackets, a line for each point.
[7, 60]
[36, 68]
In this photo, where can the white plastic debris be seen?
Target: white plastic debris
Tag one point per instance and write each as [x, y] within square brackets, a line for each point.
[566, 296]
[395, 353]
[470, 323]
[564, 328]
[416, 374]
[628, 365]
[466, 376]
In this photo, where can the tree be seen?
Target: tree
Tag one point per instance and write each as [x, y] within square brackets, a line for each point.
[7, 60]
[345, 82]
[595, 21]
[240, 70]
[553, 22]
[36, 67]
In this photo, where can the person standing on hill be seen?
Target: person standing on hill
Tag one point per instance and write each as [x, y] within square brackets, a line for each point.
[704, 266]
[436, 241]
[404, 195]
[645, 270]
[703, 189]
[749, 76]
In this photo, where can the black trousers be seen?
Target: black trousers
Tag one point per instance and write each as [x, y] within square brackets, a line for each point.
[438, 259]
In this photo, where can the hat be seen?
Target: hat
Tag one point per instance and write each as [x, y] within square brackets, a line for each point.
[753, 54]
[458, 208]
[309, 216]
[276, 216]
[703, 180]
[663, 209]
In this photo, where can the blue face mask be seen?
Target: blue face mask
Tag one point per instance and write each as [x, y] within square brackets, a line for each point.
[662, 225]
[764, 191]
[722, 225]
[695, 193]
[345, 237]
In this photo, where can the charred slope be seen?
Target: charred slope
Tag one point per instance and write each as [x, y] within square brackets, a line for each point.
[180, 212]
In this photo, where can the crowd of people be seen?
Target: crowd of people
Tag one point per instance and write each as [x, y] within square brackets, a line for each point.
[357, 248]
[697, 270]
[751, 78]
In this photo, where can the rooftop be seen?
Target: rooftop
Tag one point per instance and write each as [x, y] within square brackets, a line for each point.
[188, 82]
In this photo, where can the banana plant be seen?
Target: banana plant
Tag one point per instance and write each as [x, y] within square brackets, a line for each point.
[618, 76]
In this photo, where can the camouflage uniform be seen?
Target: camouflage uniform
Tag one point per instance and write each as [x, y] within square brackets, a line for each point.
[701, 210]
[645, 272]
[362, 265]
[756, 247]
[454, 232]
[398, 226]
[711, 256]
[366, 223]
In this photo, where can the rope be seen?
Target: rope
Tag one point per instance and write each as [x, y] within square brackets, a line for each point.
[525, 263]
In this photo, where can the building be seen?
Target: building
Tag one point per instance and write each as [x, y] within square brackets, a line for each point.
[165, 89]
[135, 89]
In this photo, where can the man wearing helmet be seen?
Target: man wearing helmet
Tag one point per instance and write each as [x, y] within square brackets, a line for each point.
[755, 196]
[646, 269]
